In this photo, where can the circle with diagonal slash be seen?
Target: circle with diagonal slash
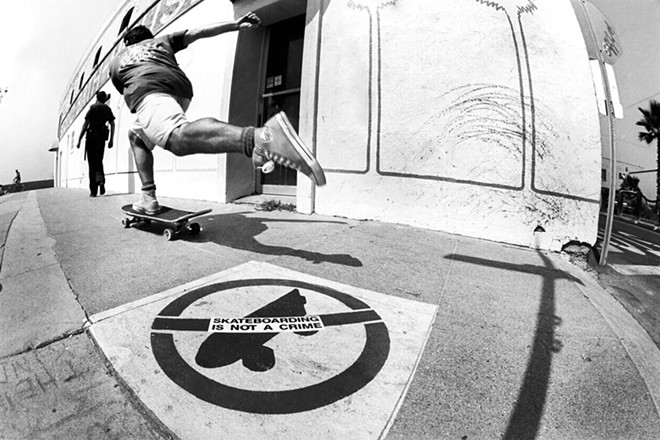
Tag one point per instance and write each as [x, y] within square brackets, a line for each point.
[363, 370]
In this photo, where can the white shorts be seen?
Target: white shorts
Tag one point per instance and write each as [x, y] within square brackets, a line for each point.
[157, 116]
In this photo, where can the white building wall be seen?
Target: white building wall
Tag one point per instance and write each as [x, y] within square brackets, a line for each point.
[476, 118]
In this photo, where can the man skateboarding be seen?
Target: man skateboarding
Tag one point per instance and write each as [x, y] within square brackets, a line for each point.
[95, 130]
[159, 93]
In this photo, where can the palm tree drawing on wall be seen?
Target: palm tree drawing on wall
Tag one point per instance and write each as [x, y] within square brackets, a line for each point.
[501, 100]
[373, 7]
[501, 118]
[651, 123]
[513, 10]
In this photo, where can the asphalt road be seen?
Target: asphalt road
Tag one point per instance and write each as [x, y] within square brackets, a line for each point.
[632, 274]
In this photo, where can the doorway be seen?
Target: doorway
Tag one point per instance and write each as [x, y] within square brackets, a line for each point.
[281, 92]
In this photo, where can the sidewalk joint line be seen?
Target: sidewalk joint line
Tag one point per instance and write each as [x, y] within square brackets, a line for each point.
[48, 342]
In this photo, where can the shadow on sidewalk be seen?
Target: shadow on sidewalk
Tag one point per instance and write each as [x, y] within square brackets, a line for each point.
[239, 231]
[525, 418]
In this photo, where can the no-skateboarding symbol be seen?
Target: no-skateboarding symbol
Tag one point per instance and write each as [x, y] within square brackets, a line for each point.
[230, 340]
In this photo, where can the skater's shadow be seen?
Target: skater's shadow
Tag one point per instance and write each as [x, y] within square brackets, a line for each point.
[240, 231]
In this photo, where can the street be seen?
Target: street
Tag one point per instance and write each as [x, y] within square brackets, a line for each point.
[632, 274]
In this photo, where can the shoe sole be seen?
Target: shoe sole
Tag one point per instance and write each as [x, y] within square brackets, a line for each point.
[144, 211]
[297, 143]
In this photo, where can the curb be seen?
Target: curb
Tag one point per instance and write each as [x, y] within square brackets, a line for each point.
[641, 349]
[641, 224]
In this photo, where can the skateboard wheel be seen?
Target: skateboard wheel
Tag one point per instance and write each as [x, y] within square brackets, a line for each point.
[126, 222]
[195, 228]
[168, 234]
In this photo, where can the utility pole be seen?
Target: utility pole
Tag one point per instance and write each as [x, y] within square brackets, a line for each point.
[604, 51]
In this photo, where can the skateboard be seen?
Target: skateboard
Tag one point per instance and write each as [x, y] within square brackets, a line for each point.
[176, 220]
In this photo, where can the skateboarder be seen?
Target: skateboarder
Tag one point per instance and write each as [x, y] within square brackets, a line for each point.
[95, 130]
[159, 93]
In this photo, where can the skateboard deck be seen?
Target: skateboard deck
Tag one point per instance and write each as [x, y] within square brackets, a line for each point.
[176, 220]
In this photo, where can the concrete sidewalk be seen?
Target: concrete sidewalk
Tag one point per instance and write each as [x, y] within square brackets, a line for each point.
[478, 340]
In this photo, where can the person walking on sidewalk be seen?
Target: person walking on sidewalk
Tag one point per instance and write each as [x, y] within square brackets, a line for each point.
[155, 88]
[17, 181]
[96, 132]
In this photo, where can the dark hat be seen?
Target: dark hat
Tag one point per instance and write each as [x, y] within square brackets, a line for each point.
[102, 96]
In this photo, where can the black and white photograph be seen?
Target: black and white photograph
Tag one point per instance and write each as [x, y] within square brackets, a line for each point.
[330, 220]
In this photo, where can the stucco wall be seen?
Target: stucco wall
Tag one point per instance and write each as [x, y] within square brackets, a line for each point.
[468, 116]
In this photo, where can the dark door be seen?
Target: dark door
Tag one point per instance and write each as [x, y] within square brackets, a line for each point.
[282, 91]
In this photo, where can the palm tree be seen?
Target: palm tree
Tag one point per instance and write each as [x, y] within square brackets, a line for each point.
[651, 122]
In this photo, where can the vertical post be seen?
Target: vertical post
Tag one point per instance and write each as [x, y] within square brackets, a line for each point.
[595, 48]
[611, 196]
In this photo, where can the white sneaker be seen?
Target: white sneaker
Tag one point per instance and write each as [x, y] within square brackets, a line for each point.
[147, 203]
[279, 142]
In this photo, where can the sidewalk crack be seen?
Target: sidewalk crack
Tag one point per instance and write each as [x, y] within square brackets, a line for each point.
[53, 241]
[4, 242]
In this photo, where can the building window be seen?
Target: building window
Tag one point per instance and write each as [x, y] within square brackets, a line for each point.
[125, 21]
[97, 57]
[82, 79]
[71, 100]
[603, 175]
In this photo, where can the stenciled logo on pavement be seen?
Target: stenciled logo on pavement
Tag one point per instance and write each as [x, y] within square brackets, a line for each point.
[241, 340]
